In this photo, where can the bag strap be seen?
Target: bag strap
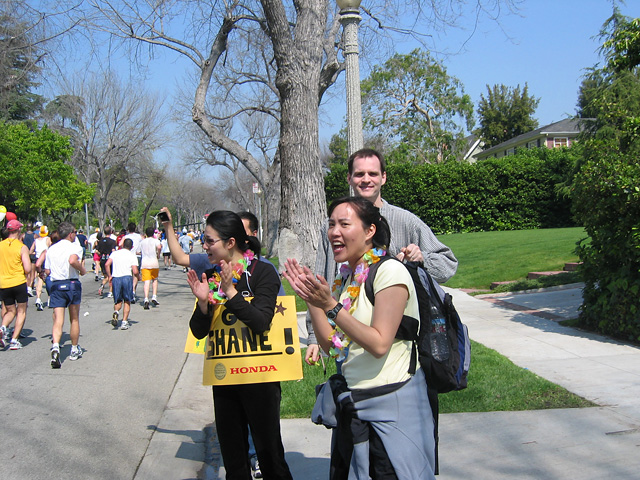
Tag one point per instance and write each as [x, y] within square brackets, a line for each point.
[409, 326]
[368, 283]
[249, 274]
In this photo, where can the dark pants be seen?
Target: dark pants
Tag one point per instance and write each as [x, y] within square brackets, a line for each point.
[256, 405]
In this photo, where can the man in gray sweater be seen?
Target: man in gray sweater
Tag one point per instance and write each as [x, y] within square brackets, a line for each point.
[411, 239]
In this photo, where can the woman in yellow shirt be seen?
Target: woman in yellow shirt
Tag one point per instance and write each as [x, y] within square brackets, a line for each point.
[15, 265]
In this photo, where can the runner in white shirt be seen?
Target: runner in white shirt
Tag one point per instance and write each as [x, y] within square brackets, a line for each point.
[150, 249]
[123, 267]
[63, 264]
[136, 238]
[39, 246]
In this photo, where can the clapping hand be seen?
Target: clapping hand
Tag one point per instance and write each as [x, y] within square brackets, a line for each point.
[199, 287]
[312, 289]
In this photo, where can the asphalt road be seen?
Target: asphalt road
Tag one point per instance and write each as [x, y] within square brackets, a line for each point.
[94, 417]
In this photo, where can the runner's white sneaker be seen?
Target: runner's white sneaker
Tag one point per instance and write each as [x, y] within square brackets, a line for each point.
[76, 352]
[55, 358]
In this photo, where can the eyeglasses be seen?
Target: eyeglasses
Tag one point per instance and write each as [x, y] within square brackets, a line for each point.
[211, 242]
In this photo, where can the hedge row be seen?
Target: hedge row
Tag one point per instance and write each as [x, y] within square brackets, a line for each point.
[511, 193]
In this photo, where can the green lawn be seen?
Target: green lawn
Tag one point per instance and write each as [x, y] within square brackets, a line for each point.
[486, 257]
[495, 384]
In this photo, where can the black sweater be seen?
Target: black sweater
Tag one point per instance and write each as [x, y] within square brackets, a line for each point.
[257, 315]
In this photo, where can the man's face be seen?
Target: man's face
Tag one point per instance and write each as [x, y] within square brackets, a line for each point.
[247, 228]
[366, 179]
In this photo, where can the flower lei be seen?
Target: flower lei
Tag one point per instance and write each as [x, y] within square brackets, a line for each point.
[340, 341]
[216, 295]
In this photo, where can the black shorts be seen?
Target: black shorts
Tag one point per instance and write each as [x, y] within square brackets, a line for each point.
[103, 266]
[13, 295]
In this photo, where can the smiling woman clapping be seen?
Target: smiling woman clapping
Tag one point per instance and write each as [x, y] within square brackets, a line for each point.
[389, 407]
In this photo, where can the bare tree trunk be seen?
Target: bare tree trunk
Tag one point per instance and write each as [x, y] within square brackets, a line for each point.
[298, 55]
[302, 188]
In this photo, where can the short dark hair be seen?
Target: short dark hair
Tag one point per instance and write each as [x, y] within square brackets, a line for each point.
[128, 244]
[364, 153]
[149, 231]
[131, 227]
[253, 220]
[368, 214]
[107, 230]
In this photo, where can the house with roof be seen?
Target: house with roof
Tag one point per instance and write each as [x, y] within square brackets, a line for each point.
[555, 135]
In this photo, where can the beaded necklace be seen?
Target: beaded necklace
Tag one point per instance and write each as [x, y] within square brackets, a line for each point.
[340, 341]
[216, 295]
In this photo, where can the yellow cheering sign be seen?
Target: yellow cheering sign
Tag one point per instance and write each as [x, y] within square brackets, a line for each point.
[234, 354]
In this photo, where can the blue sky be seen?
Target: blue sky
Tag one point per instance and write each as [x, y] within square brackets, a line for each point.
[547, 45]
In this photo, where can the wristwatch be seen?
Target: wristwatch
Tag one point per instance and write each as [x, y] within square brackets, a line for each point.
[333, 313]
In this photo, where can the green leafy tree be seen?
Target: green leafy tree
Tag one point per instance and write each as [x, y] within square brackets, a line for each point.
[505, 113]
[35, 175]
[338, 147]
[19, 66]
[413, 101]
[606, 187]
[622, 47]
[66, 111]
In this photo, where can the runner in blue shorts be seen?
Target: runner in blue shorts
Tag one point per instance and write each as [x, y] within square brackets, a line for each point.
[121, 266]
[63, 263]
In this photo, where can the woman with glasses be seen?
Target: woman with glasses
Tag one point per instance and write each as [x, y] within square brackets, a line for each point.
[237, 275]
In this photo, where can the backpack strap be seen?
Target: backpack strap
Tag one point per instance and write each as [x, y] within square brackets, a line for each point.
[409, 326]
[368, 284]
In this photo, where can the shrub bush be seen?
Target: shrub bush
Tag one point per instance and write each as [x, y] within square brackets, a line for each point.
[509, 193]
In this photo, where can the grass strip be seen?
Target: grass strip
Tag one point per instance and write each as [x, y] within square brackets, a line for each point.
[486, 257]
[495, 384]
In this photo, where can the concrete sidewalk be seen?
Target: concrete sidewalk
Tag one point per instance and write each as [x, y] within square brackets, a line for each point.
[591, 443]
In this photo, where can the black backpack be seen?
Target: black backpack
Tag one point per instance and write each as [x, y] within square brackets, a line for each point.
[444, 371]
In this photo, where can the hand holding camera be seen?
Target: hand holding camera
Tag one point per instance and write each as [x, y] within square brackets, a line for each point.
[163, 217]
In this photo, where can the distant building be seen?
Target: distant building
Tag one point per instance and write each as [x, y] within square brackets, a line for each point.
[555, 135]
[473, 146]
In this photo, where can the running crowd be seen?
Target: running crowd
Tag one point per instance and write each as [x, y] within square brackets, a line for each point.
[34, 261]
[377, 404]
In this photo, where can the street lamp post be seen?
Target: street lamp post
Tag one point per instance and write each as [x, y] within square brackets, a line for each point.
[350, 18]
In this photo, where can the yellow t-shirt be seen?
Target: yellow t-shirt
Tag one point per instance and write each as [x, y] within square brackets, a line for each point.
[361, 369]
[11, 269]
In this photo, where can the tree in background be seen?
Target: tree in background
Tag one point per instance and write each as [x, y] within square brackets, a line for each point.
[303, 44]
[35, 175]
[413, 102]
[29, 33]
[113, 134]
[505, 113]
[606, 188]
[19, 65]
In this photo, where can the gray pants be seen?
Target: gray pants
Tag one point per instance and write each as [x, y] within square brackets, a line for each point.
[402, 422]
